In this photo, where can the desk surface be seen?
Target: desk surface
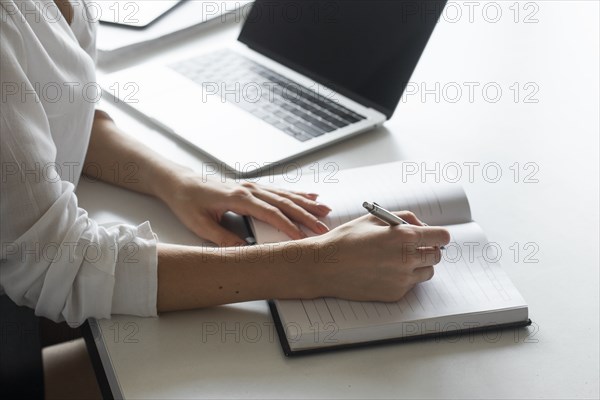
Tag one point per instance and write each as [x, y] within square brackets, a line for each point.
[551, 130]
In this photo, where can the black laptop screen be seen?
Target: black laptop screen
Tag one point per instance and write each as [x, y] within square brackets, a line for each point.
[364, 49]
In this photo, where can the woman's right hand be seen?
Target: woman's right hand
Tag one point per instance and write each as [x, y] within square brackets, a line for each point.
[363, 259]
[366, 259]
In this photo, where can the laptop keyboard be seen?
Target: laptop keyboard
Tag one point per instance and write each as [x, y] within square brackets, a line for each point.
[294, 109]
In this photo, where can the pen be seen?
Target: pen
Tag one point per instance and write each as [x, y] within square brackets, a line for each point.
[383, 214]
[386, 216]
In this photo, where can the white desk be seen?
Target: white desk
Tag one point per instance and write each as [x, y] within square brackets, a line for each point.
[176, 356]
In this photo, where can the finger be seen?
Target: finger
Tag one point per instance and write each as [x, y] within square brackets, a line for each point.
[427, 256]
[434, 236]
[270, 214]
[310, 196]
[309, 205]
[409, 217]
[220, 236]
[416, 256]
[423, 274]
[293, 211]
[422, 236]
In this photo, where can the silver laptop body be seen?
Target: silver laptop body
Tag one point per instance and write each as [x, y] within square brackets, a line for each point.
[248, 107]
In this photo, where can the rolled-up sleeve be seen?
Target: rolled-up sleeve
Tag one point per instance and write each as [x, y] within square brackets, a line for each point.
[69, 268]
[54, 258]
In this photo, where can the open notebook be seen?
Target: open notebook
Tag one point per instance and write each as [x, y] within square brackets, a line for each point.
[469, 290]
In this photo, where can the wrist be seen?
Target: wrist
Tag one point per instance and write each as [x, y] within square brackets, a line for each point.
[306, 265]
[169, 181]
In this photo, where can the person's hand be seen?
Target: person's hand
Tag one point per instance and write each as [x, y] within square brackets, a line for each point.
[200, 204]
[366, 259]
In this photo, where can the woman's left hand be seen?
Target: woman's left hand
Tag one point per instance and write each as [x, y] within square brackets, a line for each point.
[200, 204]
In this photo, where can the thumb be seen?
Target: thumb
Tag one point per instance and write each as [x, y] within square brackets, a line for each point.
[221, 236]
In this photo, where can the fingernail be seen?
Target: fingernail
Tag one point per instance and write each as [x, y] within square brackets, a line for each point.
[313, 195]
[321, 227]
[323, 208]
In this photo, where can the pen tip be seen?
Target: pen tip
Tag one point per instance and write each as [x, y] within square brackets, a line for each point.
[368, 205]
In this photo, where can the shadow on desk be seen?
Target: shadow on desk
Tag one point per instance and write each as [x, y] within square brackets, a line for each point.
[204, 350]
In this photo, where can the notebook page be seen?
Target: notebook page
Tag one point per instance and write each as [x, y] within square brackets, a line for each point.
[467, 280]
[439, 204]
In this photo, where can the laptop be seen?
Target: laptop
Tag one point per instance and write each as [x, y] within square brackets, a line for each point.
[302, 75]
[135, 14]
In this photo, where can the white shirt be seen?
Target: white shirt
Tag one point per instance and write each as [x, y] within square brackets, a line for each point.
[54, 258]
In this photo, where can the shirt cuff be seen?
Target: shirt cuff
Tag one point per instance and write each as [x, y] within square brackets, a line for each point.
[136, 280]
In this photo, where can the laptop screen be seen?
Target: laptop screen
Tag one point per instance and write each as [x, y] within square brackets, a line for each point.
[364, 49]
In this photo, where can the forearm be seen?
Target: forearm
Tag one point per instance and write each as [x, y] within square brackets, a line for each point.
[362, 260]
[196, 277]
[121, 160]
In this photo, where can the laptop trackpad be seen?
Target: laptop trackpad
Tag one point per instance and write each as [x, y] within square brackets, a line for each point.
[204, 119]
